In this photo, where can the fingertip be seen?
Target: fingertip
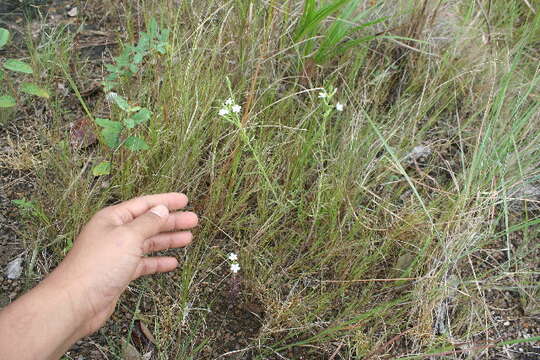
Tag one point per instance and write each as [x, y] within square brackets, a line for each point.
[168, 263]
[182, 238]
[183, 200]
[193, 219]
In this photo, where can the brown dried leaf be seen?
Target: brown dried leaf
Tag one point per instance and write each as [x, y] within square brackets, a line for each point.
[129, 352]
[91, 89]
[82, 133]
[253, 308]
[147, 332]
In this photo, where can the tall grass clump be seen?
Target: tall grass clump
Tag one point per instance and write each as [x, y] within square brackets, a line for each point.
[361, 207]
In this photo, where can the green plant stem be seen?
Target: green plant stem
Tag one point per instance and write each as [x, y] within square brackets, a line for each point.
[260, 165]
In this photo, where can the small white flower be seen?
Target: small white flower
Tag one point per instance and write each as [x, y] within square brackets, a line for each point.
[323, 94]
[110, 96]
[223, 112]
[236, 109]
[235, 268]
[229, 101]
[339, 106]
[233, 257]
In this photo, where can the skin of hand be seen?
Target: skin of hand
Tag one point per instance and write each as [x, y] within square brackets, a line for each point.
[78, 297]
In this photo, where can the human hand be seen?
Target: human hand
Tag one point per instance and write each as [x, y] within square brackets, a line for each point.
[110, 252]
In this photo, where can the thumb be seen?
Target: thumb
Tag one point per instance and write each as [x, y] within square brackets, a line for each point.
[150, 223]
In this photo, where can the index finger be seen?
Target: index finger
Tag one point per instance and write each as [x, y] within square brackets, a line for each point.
[131, 209]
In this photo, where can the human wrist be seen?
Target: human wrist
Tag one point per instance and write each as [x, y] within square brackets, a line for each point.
[43, 323]
[71, 296]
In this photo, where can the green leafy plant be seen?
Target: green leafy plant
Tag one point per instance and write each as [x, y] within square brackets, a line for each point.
[29, 208]
[116, 134]
[112, 132]
[17, 67]
[337, 38]
[155, 40]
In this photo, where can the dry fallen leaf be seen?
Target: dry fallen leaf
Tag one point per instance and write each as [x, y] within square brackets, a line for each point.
[14, 269]
[147, 332]
[129, 352]
[253, 308]
[82, 133]
[73, 12]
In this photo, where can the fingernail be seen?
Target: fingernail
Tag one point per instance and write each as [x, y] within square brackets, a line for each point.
[160, 210]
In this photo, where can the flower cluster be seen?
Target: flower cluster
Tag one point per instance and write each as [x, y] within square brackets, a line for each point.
[235, 267]
[229, 107]
[327, 96]
[111, 96]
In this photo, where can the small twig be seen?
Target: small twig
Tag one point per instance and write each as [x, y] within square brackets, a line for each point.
[529, 6]
[235, 352]
[486, 19]
[334, 354]
[95, 44]
[385, 345]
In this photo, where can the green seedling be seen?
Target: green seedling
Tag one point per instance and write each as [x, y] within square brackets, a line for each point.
[29, 208]
[338, 37]
[116, 134]
[154, 41]
[18, 68]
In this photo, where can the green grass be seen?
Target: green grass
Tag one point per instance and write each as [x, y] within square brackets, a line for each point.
[320, 211]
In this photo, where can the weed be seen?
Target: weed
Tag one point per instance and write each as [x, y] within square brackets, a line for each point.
[336, 39]
[18, 68]
[119, 133]
[31, 209]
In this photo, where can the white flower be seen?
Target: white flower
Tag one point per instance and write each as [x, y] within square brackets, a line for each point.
[233, 257]
[236, 109]
[339, 106]
[223, 112]
[110, 96]
[229, 101]
[235, 268]
[323, 94]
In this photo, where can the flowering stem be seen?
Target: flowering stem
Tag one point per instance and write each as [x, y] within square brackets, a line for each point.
[260, 165]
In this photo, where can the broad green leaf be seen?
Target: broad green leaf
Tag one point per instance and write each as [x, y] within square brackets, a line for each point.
[135, 143]
[121, 102]
[153, 27]
[19, 66]
[106, 122]
[124, 105]
[133, 68]
[4, 37]
[111, 132]
[164, 36]
[7, 101]
[144, 42]
[140, 117]
[138, 58]
[130, 124]
[123, 59]
[33, 89]
[24, 204]
[112, 68]
[103, 168]
[111, 137]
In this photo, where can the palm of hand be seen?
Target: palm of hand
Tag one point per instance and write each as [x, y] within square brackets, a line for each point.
[110, 251]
